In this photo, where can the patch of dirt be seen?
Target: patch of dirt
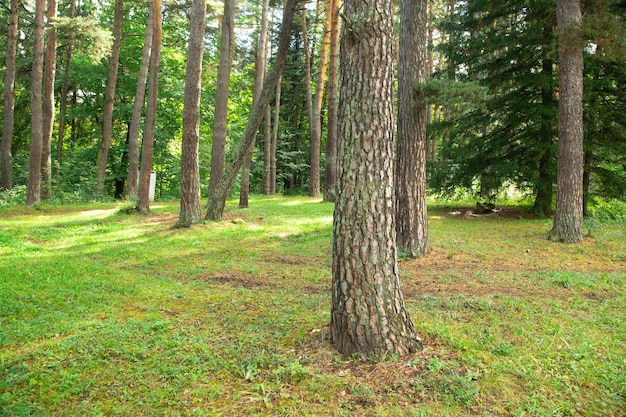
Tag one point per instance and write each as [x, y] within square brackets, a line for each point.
[413, 289]
[240, 218]
[154, 219]
[244, 280]
[421, 276]
[377, 384]
[423, 272]
[250, 281]
[289, 260]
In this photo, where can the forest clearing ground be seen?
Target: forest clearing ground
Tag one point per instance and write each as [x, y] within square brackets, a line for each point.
[117, 314]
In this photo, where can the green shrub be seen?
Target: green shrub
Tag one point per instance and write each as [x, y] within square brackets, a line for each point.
[608, 211]
[13, 197]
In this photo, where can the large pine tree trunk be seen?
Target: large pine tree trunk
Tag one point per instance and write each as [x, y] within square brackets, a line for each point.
[33, 194]
[330, 168]
[6, 160]
[107, 111]
[368, 314]
[64, 92]
[135, 121]
[218, 200]
[143, 204]
[410, 186]
[48, 101]
[190, 200]
[218, 147]
[568, 217]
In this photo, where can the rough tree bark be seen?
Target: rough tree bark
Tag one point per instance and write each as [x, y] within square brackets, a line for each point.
[6, 160]
[218, 201]
[48, 101]
[190, 200]
[218, 147]
[33, 193]
[410, 185]
[143, 204]
[568, 217]
[330, 168]
[135, 120]
[107, 111]
[368, 315]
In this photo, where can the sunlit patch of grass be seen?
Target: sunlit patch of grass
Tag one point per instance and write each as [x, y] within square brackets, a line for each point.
[104, 312]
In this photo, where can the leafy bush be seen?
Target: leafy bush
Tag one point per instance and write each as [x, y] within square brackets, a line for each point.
[608, 211]
[13, 197]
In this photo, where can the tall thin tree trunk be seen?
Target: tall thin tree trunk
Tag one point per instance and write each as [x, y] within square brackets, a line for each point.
[217, 203]
[64, 92]
[315, 124]
[143, 205]
[313, 148]
[410, 185]
[48, 101]
[446, 112]
[244, 190]
[120, 180]
[545, 180]
[267, 151]
[135, 121]
[190, 199]
[437, 117]
[6, 160]
[218, 147]
[429, 71]
[433, 141]
[33, 194]
[568, 217]
[74, 124]
[368, 315]
[260, 69]
[589, 163]
[543, 197]
[330, 169]
[107, 111]
[275, 125]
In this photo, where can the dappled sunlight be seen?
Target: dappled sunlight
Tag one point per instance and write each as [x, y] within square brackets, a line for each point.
[307, 200]
[304, 221]
[128, 236]
[246, 301]
[96, 214]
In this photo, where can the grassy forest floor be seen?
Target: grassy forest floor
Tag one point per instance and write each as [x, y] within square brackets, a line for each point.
[107, 313]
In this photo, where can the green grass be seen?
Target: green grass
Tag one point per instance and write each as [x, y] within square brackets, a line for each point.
[106, 313]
